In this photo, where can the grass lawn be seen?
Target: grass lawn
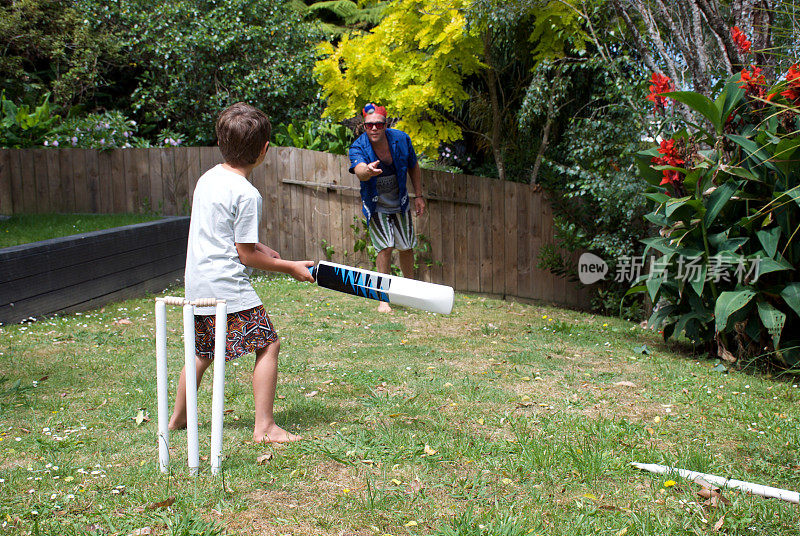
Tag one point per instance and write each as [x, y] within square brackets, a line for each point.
[500, 419]
[26, 228]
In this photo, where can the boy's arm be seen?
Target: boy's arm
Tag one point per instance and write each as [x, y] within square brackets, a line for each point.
[253, 256]
[267, 250]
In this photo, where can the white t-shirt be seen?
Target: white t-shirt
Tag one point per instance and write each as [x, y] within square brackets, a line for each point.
[226, 209]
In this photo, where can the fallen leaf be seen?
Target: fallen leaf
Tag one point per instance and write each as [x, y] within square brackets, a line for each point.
[429, 451]
[122, 322]
[625, 384]
[141, 417]
[264, 458]
[281, 397]
[718, 524]
[415, 487]
[411, 523]
[622, 532]
[312, 393]
[163, 504]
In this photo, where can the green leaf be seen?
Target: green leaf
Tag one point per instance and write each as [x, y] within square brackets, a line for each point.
[659, 244]
[690, 208]
[791, 295]
[728, 303]
[659, 315]
[701, 104]
[680, 325]
[767, 265]
[657, 197]
[718, 199]
[754, 152]
[769, 239]
[773, 320]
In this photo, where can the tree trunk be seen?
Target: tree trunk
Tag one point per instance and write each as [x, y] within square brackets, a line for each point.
[494, 98]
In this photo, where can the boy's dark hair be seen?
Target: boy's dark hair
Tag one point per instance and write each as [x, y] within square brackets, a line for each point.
[242, 131]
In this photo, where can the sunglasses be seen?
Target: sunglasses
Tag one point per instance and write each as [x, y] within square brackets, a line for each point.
[380, 125]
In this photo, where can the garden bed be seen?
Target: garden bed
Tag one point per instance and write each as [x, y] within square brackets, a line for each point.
[82, 271]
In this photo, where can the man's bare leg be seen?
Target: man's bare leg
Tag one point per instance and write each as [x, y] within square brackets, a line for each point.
[265, 382]
[384, 264]
[407, 262]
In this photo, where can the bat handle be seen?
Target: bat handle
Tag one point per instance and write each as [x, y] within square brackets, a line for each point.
[312, 269]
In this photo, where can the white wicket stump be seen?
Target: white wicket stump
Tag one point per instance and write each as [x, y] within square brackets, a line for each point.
[218, 387]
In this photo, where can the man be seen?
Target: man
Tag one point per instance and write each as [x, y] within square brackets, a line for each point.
[381, 158]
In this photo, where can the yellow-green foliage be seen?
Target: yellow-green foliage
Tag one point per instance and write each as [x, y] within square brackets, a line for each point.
[413, 63]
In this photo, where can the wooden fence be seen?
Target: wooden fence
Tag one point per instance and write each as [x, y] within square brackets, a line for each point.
[484, 234]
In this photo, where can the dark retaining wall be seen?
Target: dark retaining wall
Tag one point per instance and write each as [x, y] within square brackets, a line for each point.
[84, 271]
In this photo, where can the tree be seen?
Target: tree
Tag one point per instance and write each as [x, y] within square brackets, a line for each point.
[66, 48]
[444, 68]
[341, 17]
[196, 57]
[692, 41]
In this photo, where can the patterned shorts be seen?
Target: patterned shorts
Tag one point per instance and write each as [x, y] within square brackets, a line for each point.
[392, 231]
[248, 331]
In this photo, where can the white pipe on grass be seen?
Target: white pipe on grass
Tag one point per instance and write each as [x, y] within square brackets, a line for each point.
[755, 489]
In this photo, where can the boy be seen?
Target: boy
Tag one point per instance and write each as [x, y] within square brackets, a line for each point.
[222, 251]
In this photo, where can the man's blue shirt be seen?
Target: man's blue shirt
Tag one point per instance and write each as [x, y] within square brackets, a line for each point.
[403, 156]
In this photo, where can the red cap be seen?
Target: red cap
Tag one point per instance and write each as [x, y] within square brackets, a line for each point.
[372, 108]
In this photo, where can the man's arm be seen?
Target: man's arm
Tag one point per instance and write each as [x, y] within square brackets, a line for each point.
[416, 182]
[365, 172]
[253, 256]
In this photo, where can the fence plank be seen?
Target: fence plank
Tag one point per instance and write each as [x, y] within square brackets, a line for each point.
[105, 182]
[6, 196]
[473, 239]
[437, 239]
[297, 230]
[36, 174]
[283, 171]
[137, 177]
[93, 181]
[460, 258]
[535, 225]
[269, 200]
[510, 240]
[15, 174]
[80, 181]
[548, 291]
[28, 178]
[524, 263]
[118, 176]
[498, 237]
[171, 180]
[485, 236]
[193, 170]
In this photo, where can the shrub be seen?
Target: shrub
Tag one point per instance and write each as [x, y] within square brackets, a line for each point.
[20, 127]
[108, 130]
[726, 196]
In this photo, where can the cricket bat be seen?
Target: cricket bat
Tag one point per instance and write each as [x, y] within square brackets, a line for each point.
[384, 287]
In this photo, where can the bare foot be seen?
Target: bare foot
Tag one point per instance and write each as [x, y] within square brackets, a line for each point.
[175, 424]
[275, 434]
[383, 307]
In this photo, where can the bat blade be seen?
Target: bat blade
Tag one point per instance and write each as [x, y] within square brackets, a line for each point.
[384, 287]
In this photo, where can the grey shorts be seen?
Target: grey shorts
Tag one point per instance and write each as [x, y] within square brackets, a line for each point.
[392, 231]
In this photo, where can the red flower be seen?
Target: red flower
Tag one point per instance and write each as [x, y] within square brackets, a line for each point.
[670, 158]
[661, 84]
[792, 93]
[753, 81]
[740, 39]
